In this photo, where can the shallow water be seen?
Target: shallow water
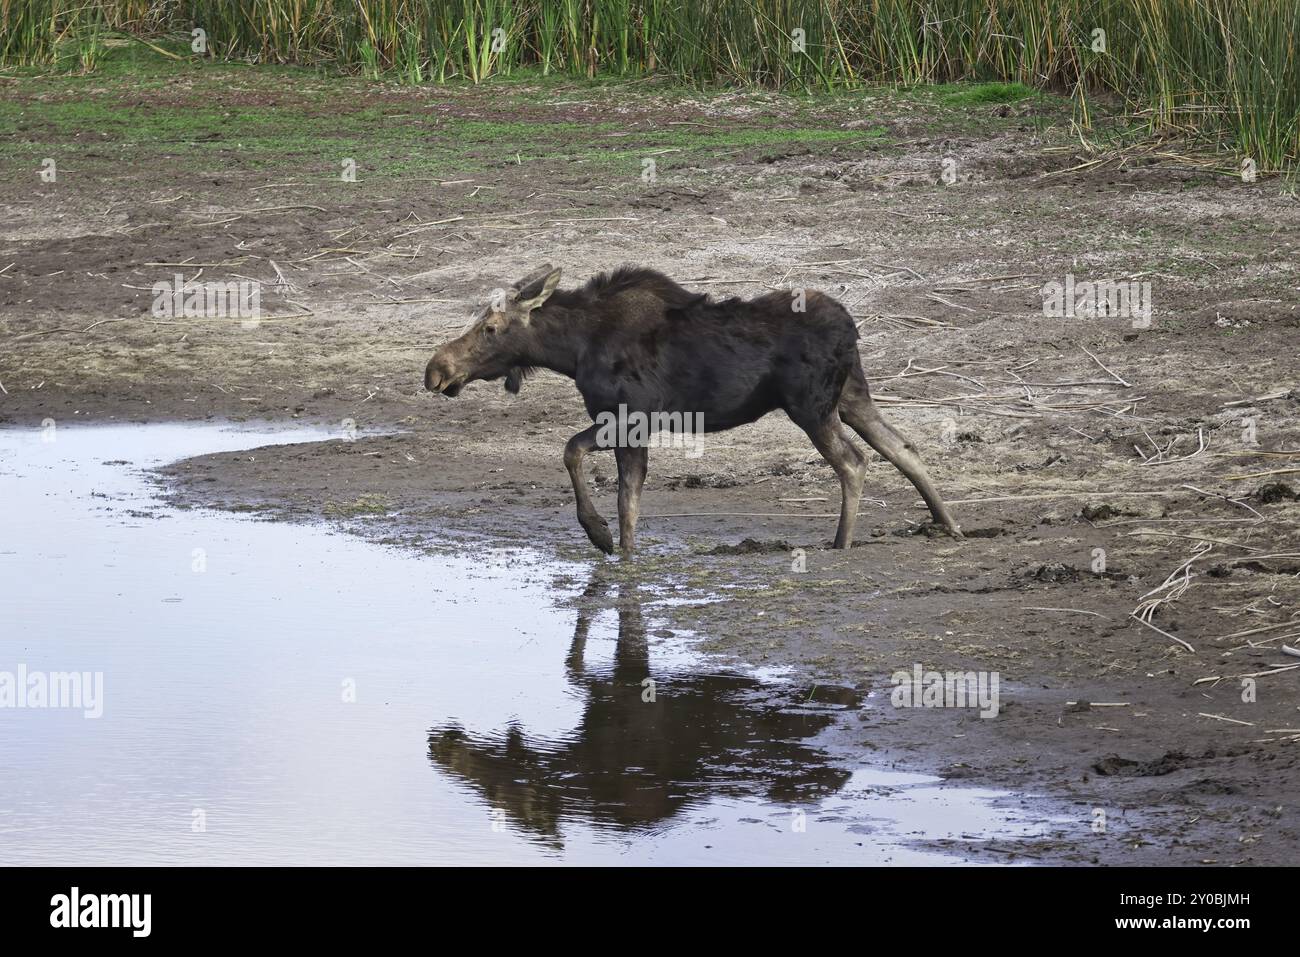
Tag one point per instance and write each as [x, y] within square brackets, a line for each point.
[276, 693]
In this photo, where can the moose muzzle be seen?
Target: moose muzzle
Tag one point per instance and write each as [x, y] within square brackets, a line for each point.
[439, 378]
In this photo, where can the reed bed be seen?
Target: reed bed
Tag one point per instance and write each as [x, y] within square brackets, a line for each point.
[1225, 68]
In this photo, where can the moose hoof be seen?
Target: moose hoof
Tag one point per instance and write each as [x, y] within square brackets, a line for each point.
[598, 531]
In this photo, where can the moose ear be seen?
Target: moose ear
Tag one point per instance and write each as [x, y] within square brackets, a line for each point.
[536, 275]
[537, 286]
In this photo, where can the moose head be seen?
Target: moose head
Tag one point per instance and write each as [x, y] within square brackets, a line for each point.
[498, 339]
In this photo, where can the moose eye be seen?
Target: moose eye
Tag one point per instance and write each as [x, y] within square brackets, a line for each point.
[491, 330]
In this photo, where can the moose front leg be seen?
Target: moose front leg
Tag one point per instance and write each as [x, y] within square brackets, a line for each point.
[632, 464]
[597, 529]
[850, 465]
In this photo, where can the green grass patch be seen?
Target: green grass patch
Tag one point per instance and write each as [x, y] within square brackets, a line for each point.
[980, 94]
[364, 505]
[211, 116]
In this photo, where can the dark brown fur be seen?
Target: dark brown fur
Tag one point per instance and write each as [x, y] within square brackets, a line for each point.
[635, 342]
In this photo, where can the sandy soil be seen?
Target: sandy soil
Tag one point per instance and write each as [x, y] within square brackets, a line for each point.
[1053, 438]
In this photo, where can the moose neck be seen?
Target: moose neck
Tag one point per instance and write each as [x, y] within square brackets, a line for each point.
[558, 336]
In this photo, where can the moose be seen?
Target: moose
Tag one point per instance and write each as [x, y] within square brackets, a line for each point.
[637, 344]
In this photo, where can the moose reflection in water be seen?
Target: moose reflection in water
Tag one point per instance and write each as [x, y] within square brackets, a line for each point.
[634, 762]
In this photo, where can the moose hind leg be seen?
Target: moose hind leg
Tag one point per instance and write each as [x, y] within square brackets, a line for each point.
[597, 529]
[851, 467]
[632, 464]
[860, 413]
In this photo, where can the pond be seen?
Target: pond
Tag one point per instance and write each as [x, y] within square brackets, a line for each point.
[260, 692]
